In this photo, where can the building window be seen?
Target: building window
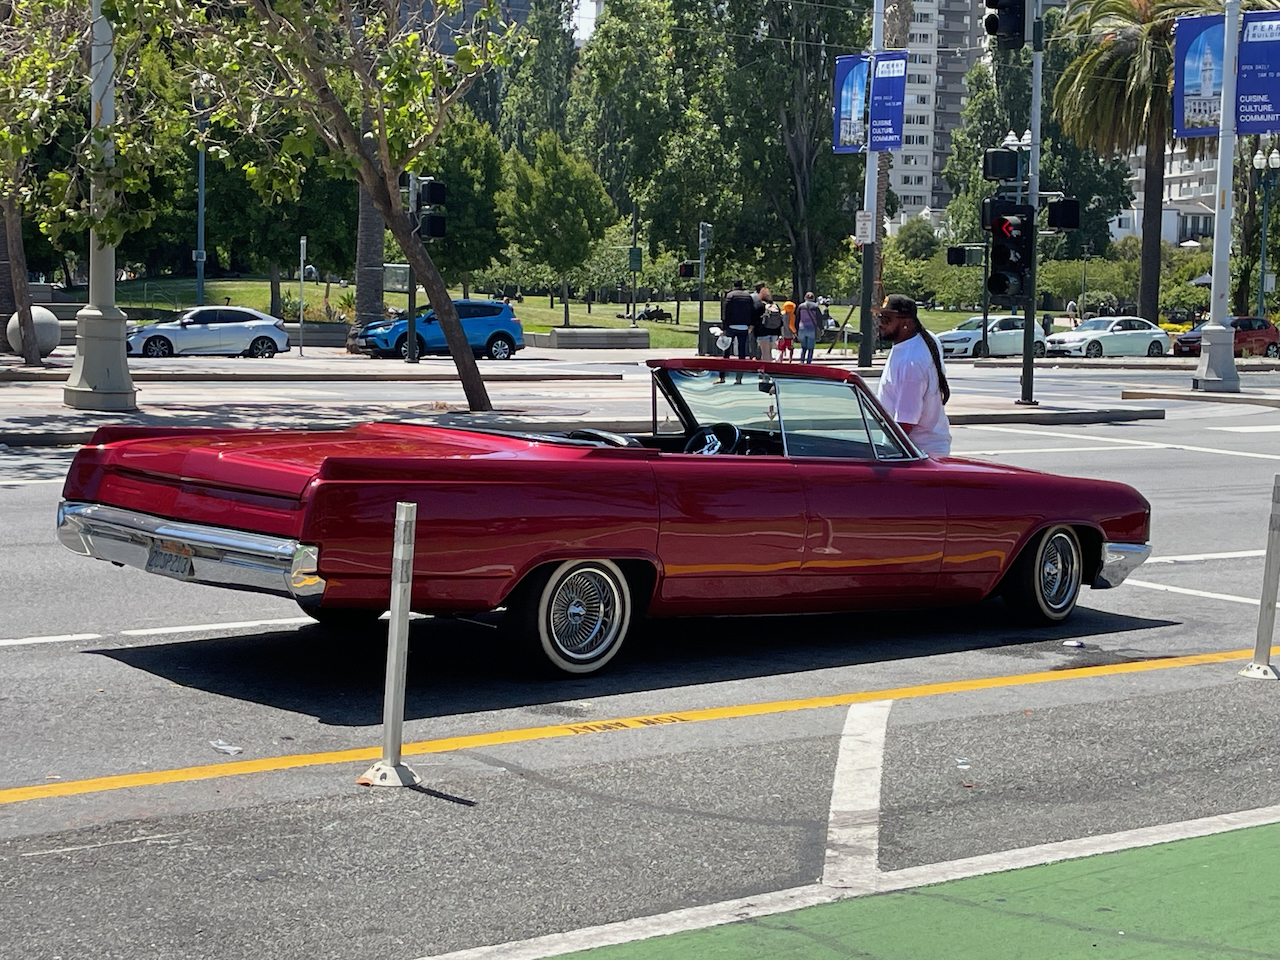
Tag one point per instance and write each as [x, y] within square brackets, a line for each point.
[920, 58]
[918, 78]
[916, 139]
[921, 17]
[921, 99]
[913, 180]
[1123, 223]
[919, 38]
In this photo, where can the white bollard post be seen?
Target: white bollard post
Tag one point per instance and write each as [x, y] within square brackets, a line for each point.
[1260, 667]
[390, 771]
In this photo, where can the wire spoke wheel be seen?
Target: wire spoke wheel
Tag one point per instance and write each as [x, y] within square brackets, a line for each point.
[1059, 571]
[1043, 585]
[579, 615]
[583, 615]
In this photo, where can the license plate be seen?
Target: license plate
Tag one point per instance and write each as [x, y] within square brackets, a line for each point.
[170, 559]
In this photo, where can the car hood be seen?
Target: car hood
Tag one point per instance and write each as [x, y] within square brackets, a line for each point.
[1072, 336]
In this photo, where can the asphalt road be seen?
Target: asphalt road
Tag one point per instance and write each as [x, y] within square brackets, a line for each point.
[508, 841]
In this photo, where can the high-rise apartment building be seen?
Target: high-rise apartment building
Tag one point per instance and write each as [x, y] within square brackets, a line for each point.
[944, 40]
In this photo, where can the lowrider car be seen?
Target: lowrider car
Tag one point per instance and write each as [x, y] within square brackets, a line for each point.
[761, 488]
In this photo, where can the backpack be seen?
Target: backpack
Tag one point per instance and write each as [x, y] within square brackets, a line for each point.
[772, 320]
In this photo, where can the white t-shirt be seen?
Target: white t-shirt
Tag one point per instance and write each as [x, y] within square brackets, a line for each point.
[909, 391]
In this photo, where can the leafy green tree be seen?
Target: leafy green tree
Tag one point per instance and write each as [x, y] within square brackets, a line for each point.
[1116, 95]
[916, 239]
[779, 90]
[535, 90]
[467, 159]
[555, 208]
[332, 65]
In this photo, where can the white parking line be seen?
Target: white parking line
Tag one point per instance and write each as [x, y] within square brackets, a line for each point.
[199, 627]
[993, 453]
[853, 825]
[1262, 428]
[61, 638]
[1197, 557]
[28, 483]
[1149, 444]
[1232, 598]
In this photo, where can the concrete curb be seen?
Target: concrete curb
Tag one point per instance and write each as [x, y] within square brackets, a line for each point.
[1262, 400]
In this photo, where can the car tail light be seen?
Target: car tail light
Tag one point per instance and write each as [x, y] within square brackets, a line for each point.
[279, 324]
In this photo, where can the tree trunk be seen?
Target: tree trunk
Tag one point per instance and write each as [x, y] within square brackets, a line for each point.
[1247, 184]
[1152, 215]
[369, 256]
[277, 309]
[466, 284]
[564, 298]
[415, 252]
[18, 271]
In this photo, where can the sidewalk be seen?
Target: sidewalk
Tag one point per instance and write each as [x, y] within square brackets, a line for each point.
[1196, 899]
[606, 389]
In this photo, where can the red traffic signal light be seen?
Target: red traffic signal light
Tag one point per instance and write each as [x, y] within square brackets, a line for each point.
[688, 268]
[1013, 235]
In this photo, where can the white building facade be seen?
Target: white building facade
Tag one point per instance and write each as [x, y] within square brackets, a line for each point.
[1188, 203]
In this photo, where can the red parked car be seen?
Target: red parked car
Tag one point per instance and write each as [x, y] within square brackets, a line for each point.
[761, 488]
[1254, 335]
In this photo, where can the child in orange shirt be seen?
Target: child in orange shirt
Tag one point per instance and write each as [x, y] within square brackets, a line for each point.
[786, 336]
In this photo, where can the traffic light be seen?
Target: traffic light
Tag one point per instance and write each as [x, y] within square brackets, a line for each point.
[1064, 214]
[704, 235]
[688, 268]
[1001, 164]
[1007, 22]
[431, 195]
[964, 256]
[1013, 238]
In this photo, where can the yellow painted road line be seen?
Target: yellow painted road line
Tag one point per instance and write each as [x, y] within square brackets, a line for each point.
[235, 768]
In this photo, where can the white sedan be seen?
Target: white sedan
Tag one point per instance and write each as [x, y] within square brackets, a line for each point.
[1111, 337]
[220, 331]
[1004, 338]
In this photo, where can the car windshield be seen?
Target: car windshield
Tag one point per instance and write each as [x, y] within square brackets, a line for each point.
[973, 323]
[743, 399]
[1100, 324]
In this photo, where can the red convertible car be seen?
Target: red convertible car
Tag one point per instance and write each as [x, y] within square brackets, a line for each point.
[762, 488]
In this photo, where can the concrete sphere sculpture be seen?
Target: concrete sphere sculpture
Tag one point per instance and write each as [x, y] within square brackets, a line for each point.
[48, 333]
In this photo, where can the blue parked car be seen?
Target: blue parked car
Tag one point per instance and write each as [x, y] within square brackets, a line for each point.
[491, 327]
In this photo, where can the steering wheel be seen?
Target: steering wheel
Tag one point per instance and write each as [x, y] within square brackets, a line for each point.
[714, 438]
[605, 436]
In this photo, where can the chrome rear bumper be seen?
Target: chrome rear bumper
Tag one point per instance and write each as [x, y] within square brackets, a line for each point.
[1118, 561]
[221, 557]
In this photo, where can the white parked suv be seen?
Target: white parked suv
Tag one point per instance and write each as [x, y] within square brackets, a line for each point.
[219, 331]
[1004, 338]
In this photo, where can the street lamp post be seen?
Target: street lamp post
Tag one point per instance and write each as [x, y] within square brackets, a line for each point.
[100, 377]
[1267, 167]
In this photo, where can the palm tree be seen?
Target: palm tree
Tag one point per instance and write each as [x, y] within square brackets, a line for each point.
[1117, 95]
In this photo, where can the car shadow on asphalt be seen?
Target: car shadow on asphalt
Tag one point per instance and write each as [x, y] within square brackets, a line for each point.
[463, 666]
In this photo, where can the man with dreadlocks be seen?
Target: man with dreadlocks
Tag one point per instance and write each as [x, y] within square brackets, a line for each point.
[913, 387]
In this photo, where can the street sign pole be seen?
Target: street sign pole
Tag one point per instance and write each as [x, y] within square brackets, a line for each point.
[1216, 371]
[866, 325]
[1033, 198]
[302, 287]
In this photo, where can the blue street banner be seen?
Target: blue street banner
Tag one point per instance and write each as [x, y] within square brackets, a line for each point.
[850, 133]
[1197, 76]
[1258, 78]
[888, 99]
